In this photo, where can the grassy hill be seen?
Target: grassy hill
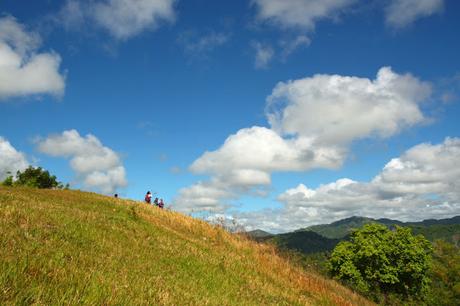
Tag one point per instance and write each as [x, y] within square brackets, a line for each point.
[71, 247]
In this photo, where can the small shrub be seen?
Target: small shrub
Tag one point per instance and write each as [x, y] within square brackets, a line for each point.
[34, 177]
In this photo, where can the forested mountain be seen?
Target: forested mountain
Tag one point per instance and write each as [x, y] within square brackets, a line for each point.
[324, 237]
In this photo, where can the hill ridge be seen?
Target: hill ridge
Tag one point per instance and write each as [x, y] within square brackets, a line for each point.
[341, 228]
[324, 237]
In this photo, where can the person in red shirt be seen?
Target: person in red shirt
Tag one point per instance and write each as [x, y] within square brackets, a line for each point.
[148, 197]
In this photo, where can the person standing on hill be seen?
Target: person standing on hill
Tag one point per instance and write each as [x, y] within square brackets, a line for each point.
[148, 197]
[161, 204]
[155, 202]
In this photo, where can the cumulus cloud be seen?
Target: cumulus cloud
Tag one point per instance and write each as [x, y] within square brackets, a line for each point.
[424, 169]
[23, 70]
[97, 166]
[337, 109]
[203, 196]
[302, 14]
[419, 184]
[245, 162]
[401, 13]
[313, 121]
[248, 156]
[123, 19]
[263, 55]
[11, 160]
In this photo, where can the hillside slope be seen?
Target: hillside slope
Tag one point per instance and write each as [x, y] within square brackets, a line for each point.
[71, 247]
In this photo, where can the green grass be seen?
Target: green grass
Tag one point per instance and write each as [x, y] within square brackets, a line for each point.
[71, 247]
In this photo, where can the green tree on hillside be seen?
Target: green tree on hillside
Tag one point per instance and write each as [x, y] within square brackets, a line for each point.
[34, 177]
[445, 275]
[9, 180]
[379, 261]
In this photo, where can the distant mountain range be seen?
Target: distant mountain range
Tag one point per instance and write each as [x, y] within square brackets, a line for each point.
[324, 237]
[341, 228]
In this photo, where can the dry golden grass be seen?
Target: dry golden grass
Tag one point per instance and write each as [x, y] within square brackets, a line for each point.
[71, 247]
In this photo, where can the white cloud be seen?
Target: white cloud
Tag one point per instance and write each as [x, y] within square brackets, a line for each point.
[298, 15]
[313, 120]
[264, 55]
[400, 13]
[123, 19]
[203, 196]
[24, 71]
[97, 166]
[199, 45]
[245, 162]
[420, 184]
[126, 18]
[71, 15]
[289, 46]
[11, 160]
[424, 169]
[248, 156]
[301, 14]
[338, 109]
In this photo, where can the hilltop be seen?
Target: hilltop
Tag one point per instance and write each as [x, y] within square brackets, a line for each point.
[73, 247]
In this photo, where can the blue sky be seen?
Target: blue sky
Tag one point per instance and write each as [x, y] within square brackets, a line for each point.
[157, 83]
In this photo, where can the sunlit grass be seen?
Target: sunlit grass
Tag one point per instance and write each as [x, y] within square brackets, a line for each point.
[71, 247]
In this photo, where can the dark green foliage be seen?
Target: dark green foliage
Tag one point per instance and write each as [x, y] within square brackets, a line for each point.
[447, 232]
[445, 275]
[379, 261]
[8, 181]
[34, 177]
[304, 241]
[446, 259]
[308, 242]
[430, 222]
[317, 262]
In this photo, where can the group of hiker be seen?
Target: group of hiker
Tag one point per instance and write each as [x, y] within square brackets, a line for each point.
[157, 202]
